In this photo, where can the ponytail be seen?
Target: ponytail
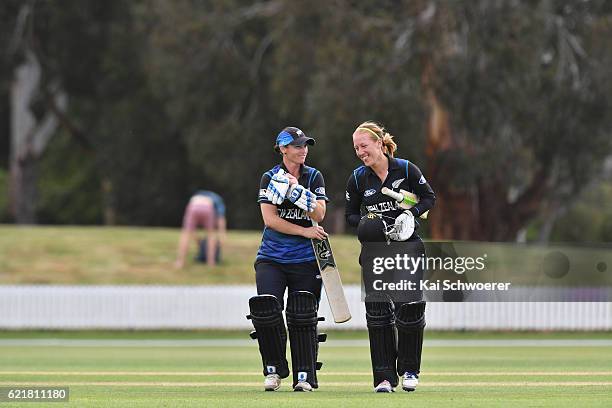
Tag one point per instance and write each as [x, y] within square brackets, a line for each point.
[389, 146]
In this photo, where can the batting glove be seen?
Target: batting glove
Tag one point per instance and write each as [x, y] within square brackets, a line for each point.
[403, 227]
[302, 197]
[277, 189]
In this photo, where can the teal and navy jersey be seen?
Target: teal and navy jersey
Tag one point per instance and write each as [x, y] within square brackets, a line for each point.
[363, 193]
[285, 248]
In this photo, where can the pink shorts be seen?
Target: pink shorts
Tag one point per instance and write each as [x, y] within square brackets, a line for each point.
[199, 214]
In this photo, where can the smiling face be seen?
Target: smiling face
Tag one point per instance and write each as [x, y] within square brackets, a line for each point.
[295, 154]
[367, 150]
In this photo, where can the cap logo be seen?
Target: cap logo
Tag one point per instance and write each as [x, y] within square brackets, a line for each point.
[284, 138]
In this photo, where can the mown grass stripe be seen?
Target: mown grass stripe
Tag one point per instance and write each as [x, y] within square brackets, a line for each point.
[230, 343]
[323, 373]
[326, 384]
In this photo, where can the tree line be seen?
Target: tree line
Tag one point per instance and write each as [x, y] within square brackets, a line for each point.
[115, 112]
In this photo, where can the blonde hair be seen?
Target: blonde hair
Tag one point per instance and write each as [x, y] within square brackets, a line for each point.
[377, 132]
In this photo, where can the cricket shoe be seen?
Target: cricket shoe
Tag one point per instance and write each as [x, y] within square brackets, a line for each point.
[302, 386]
[272, 382]
[409, 381]
[384, 386]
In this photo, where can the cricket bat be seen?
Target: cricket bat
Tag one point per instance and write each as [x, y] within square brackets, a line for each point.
[405, 199]
[331, 279]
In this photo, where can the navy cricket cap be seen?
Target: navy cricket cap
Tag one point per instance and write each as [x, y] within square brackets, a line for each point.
[293, 136]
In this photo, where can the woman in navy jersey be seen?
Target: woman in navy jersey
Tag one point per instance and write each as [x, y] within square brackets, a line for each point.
[395, 328]
[285, 257]
[291, 197]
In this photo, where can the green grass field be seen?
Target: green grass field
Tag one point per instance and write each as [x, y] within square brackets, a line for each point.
[223, 369]
[130, 255]
[213, 368]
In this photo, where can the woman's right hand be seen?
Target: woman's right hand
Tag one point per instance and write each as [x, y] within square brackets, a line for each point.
[315, 233]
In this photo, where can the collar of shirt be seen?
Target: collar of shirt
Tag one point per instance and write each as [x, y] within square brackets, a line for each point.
[393, 165]
[303, 169]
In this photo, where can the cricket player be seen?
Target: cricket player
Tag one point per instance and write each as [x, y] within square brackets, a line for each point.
[395, 330]
[291, 196]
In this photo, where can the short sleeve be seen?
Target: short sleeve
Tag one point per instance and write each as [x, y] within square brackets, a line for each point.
[263, 186]
[317, 186]
[352, 204]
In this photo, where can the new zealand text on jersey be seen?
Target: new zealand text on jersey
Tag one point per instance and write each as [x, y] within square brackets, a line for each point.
[383, 207]
[292, 214]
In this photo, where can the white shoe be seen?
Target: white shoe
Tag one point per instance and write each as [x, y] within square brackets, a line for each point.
[409, 381]
[384, 386]
[302, 386]
[272, 382]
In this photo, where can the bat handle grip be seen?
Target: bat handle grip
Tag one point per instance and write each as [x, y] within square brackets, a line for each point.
[393, 194]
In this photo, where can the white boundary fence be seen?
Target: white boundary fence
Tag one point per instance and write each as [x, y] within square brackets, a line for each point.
[225, 307]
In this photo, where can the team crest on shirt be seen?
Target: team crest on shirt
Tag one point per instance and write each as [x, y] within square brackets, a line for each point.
[422, 180]
[369, 192]
[396, 183]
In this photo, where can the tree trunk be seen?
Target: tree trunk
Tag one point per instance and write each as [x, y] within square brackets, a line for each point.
[483, 211]
[110, 215]
[29, 138]
[23, 191]
[454, 214]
